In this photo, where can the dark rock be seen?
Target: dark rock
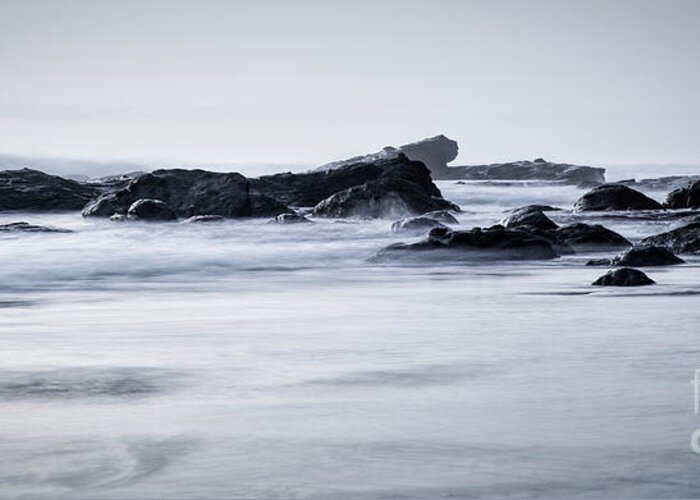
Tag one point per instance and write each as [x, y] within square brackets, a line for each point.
[416, 224]
[683, 240]
[27, 189]
[615, 197]
[150, 209]
[625, 276]
[25, 227]
[538, 170]
[661, 183]
[684, 197]
[117, 218]
[204, 219]
[290, 218]
[189, 193]
[589, 237]
[443, 216]
[531, 216]
[494, 243]
[640, 257]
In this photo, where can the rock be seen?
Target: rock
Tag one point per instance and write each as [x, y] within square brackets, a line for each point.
[614, 197]
[310, 188]
[682, 240]
[27, 189]
[149, 209]
[385, 198]
[589, 237]
[494, 243]
[538, 170]
[531, 216]
[640, 257]
[684, 197]
[189, 193]
[204, 219]
[25, 227]
[443, 216]
[290, 218]
[416, 224]
[661, 183]
[117, 218]
[625, 276]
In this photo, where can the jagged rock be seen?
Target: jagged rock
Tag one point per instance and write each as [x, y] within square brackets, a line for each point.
[204, 219]
[589, 237]
[420, 224]
[443, 216]
[290, 218]
[640, 257]
[538, 170]
[28, 189]
[614, 197]
[189, 193]
[531, 216]
[494, 243]
[625, 276]
[683, 240]
[150, 209]
[684, 197]
[25, 227]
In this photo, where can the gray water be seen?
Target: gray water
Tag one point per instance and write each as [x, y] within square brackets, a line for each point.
[245, 360]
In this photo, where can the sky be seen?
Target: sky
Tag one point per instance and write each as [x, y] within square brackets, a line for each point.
[298, 81]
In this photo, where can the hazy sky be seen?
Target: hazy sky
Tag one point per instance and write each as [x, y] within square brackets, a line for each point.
[609, 81]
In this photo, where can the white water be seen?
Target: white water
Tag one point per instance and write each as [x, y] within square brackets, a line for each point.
[243, 359]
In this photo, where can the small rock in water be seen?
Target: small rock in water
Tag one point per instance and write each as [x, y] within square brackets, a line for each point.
[25, 227]
[150, 209]
[118, 218]
[640, 257]
[199, 219]
[590, 237]
[531, 216]
[625, 276]
[290, 218]
[614, 197]
[415, 224]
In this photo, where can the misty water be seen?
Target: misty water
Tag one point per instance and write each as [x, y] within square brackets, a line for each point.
[244, 359]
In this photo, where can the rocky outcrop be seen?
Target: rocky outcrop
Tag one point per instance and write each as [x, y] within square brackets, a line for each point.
[25, 227]
[416, 225]
[684, 197]
[589, 237]
[538, 170]
[27, 189]
[494, 243]
[150, 210]
[614, 197]
[640, 257]
[682, 240]
[189, 193]
[661, 183]
[625, 276]
[530, 216]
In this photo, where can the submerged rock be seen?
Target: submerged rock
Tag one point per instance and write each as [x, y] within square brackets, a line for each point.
[494, 243]
[290, 218]
[204, 219]
[530, 216]
[640, 257]
[28, 189]
[683, 240]
[684, 197]
[614, 197]
[189, 193]
[416, 224]
[625, 276]
[25, 227]
[589, 237]
[149, 209]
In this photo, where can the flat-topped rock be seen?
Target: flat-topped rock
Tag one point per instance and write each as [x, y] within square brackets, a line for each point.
[494, 243]
[32, 190]
[614, 197]
[538, 170]
[25, 227]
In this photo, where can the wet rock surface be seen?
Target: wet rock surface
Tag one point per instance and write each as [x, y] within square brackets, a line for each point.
[614, 197]
[625, 276]
[682, 240]
[643, 256]
[27, 189]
